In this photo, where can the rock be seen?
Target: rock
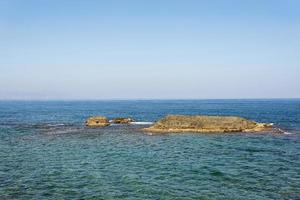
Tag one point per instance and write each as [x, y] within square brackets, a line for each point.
[207, 124]
[122, 120]
[98, 121]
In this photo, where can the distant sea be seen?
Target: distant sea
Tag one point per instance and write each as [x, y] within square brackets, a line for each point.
[46, 152]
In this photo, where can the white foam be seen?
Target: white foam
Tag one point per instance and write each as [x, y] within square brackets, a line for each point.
[141, 123]
[55, 125]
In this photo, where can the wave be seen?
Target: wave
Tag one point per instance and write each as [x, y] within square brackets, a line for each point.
[142, 123]
[62, 131]
[54, 125]
[286, 131]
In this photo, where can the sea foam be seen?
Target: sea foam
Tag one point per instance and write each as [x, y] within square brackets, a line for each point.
[141, 123]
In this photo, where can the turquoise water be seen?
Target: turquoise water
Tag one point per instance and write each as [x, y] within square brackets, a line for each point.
[47, 153]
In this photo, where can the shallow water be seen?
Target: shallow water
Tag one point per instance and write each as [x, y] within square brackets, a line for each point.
[47, 153]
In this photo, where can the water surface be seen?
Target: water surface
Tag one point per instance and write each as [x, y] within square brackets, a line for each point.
[47, 153]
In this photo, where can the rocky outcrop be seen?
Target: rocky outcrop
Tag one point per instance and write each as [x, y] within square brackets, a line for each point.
[98, 121]
[207, 124]
[122, 120]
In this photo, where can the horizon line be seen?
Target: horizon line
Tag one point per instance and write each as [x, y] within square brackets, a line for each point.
[155, 99]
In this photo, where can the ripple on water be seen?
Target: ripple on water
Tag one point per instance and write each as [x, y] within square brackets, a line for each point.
[62, 159]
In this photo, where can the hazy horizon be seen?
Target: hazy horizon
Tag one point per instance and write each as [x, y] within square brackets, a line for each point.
[153, 99]
[139, 50]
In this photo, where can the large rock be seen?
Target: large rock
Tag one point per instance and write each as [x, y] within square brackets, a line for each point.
[207, 124]
[98, 121]
[122, 120]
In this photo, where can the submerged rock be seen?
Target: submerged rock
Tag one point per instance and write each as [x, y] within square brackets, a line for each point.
[122, 120]
[207, 124]
[98, 121]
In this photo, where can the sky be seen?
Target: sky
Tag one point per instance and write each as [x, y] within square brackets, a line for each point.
[149, 49]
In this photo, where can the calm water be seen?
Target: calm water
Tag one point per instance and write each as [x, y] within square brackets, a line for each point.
[47, 153]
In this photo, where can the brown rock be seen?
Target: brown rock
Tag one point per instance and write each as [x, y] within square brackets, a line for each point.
[122, 120]
[207, 124]
[98, 121]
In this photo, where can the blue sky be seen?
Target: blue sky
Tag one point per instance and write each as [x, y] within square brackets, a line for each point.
[158, 49]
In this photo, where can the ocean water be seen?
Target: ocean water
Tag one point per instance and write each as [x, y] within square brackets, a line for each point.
[46, 152]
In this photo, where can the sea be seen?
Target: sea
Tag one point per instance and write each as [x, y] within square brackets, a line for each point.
[46, 152]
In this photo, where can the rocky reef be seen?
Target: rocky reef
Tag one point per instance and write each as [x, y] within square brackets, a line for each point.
[122, 120]
[101, 121]
[98, 121]
[207, 124]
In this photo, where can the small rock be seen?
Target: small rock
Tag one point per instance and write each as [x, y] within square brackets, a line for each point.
[97, 121]
[122, 120]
